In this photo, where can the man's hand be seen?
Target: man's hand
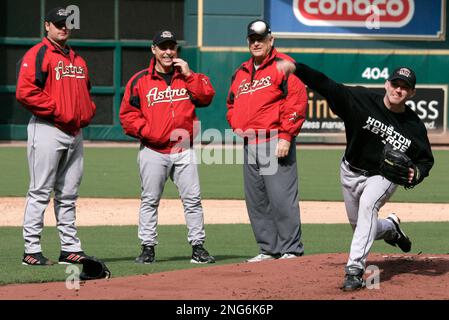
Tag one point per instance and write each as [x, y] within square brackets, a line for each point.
[183, 66]
[282, 148]
[286, 66]
[397, 167]
[411, 174]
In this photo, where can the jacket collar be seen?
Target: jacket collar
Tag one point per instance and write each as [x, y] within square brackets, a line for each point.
[56, 48]
[153, 72]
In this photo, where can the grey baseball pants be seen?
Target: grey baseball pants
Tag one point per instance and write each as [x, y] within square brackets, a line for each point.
[155, 168]
[364, 196]
[271, 194]
[55, 161]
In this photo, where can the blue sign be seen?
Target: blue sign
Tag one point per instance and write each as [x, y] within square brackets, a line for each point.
[376, 19]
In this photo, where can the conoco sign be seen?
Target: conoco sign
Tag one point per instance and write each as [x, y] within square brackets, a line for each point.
[353, 13]
[358, 19]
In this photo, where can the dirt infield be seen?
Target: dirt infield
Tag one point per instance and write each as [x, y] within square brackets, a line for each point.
[91, 212]
[316, 277]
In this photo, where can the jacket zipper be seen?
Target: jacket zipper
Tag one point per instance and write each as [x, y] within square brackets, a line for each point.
[253, 73]
[171, 103]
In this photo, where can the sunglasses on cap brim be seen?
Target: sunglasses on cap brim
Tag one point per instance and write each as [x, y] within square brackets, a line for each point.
[59, 24]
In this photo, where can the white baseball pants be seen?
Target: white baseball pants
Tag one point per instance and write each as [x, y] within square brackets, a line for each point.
[364, 196]
[155, 168]
[55, 161]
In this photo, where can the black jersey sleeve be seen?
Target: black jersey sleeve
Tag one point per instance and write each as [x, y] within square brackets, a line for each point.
[335, 93]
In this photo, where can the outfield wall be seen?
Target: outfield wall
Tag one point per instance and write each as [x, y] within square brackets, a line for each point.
[214, 43]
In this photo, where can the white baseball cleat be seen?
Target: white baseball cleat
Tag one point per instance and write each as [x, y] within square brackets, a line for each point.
[261, 257]
[290, 256]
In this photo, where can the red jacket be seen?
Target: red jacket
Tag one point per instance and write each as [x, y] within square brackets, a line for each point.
[163, 116]
[264, 99]
[55, 86]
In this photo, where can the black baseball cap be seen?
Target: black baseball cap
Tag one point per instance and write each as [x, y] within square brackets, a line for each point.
[56, 15]
[259, 27]
[164, 36]
[405, 74]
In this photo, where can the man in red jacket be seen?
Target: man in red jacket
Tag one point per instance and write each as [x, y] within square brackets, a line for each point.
[158, 108]
[53, 84]
[268, 109]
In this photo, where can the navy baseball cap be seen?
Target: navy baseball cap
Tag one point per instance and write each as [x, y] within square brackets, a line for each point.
[56, 15]
[259, 27]
[405, 74]
[164, 36]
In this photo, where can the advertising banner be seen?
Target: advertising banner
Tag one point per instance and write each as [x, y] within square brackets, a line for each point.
[358, 19]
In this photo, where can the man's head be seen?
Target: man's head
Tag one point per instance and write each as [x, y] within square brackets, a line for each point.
[164, 48]
[55, 24]
[405, 74]
[400, 86]
[260, 40]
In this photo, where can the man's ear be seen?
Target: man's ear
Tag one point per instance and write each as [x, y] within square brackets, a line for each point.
[412, 93]
[47, 26]
[152, 49]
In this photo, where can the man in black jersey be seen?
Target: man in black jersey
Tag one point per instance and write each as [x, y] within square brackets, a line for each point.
[371, 121]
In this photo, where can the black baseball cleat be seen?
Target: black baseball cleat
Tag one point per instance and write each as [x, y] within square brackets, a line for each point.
[353, 279]
[200, 255]
[401, 240]
[67, 257]
[36, 259]
[147, 255]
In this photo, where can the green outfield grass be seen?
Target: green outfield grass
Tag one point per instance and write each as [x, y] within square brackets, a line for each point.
[113, 173]
[118, 246]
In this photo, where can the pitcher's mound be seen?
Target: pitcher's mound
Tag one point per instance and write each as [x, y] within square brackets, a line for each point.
[309, 277]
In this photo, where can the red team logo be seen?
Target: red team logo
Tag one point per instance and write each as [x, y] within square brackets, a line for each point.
[353, 13]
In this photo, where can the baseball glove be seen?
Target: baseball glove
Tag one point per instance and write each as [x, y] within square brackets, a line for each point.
[94, 268]
[394, 165]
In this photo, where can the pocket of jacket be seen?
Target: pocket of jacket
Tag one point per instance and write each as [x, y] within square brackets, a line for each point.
[56, 114]
[87, 116]
[146, 133]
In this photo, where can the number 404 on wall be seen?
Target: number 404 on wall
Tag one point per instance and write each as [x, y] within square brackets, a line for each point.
[375, 73]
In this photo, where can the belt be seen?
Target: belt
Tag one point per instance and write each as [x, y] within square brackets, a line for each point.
[366, 173]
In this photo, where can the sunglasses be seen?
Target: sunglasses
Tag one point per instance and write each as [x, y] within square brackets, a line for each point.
[400, 83]
[252, 39]
[59, 24]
